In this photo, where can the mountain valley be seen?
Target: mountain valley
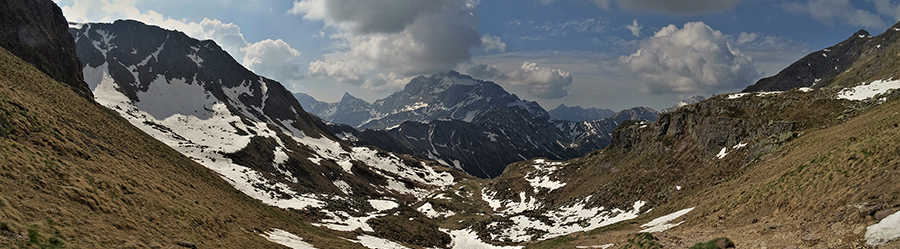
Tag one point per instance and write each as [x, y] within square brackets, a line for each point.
[159, 140]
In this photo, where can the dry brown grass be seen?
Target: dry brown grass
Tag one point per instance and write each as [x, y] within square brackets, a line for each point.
[809, 187]
[74, 174]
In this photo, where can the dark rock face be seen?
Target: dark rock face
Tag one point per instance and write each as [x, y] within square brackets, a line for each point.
[578, 114]
[36, 31]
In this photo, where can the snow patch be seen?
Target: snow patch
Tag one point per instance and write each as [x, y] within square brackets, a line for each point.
[492, 136]
[543, 170]
[342, 221]
[736, 95]
[468, 239]
[375, 242]
[739, 145]
[563, 220]
[286, 239]
[196, 59]
[722, 153]
[414, 106]
[662, 223]
[597, 246]
[869, 90]
[429, 211]
[884, 231]
[382, 205]
[343, 186]
[201, 129]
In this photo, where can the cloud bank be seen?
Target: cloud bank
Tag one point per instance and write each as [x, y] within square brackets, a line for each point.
[541, 82]
[693, 60]
[831, 11]
[403, 37]
[682, 7]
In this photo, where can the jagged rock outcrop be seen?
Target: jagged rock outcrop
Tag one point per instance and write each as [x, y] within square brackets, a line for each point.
[36, 31]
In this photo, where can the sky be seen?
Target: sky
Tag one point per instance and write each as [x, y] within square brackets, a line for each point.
[613, 54]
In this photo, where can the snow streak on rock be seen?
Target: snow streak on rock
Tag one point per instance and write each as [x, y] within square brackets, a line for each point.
[541, 178]
[662, 223]
[287, 239]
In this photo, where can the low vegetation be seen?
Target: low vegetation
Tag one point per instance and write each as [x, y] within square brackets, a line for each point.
[74, 174]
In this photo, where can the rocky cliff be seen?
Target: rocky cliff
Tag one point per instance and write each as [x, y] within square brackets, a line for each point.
[36, 31]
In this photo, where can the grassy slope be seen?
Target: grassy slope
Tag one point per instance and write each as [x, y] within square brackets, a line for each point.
[75, 174]
[808, 187]
[812, 188]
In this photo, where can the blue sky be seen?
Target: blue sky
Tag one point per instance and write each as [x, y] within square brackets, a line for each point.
[611, 54]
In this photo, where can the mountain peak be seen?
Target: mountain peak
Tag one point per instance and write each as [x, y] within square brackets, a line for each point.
[861, 33]
[348, 96]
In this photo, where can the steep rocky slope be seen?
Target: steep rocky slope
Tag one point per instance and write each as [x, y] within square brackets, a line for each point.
[860, 58]
[193, 96]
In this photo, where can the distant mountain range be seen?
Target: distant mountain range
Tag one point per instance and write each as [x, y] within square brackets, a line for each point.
[471, 125]
[578, 114]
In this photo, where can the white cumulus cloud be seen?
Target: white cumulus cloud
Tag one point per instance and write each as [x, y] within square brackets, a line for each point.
[489, 42]
[548, 83]
[541, 82]
[272, 57]
[405, 37]
[693, 60]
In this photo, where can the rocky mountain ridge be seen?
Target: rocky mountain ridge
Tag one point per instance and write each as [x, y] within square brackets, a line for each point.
[445, 116]
[578, 114]
[247, 128]
[859, 58]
